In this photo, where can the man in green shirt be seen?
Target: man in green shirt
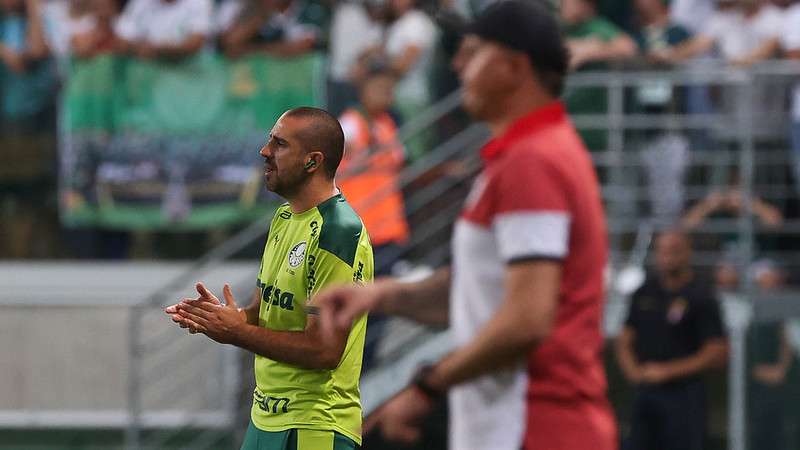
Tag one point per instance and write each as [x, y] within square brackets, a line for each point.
[593, 42]
[307, 395]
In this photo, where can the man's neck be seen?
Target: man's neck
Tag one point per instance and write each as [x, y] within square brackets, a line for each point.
[673, 282]
[312, 195]
[519, 105]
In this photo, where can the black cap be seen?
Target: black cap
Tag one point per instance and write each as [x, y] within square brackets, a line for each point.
[528, 26]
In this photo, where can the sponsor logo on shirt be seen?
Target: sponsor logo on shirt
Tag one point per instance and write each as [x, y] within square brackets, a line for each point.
[677, 309]
[297, 254]
[273, 296]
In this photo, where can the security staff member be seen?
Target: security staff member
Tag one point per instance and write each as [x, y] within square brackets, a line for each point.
[673, 334]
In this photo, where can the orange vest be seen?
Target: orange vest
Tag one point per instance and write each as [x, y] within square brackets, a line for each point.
[368, 176]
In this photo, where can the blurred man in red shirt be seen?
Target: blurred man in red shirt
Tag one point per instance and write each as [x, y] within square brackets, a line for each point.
[529, 251]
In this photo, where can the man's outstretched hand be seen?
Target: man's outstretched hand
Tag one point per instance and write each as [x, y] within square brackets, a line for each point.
[340, 306]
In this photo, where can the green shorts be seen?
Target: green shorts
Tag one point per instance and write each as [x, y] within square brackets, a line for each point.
[295, 439]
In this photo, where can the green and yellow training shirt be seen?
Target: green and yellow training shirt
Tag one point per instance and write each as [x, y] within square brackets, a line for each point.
[304, 254]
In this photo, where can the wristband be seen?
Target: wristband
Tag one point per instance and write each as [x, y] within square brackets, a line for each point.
[419, 380]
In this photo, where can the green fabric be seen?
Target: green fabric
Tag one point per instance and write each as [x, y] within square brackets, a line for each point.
[596, 27]
[341, 229]
[295, 439]
[174, 141]
[295, 266]
[591, 100]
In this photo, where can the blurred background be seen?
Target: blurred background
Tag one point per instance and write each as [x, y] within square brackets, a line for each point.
[129, 169]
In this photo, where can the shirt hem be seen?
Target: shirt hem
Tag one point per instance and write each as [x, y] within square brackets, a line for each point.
[310, 426]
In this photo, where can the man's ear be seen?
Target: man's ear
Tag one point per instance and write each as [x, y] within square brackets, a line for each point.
[314, 161]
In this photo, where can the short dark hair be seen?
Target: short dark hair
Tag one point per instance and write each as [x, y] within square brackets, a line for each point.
[323, 134]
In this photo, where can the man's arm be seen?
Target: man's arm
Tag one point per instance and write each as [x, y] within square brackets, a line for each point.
[626, 357]
[227, 324]
[763, 52]
[775, 374]
[583, 51]
[306, 349]
[688, 49]
[524, 319]
[698, 213]
[713, 354]
[188, 47]
[426, 301]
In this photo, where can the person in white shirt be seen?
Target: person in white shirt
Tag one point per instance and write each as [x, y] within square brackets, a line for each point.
[171, 29]
[91, 31]
[409, 44]
[742, 34]
[346, 47]
[692, 14]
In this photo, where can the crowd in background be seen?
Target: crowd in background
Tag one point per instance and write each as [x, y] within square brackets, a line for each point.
[387, 61]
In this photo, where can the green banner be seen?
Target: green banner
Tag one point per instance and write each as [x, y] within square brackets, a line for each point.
[174, 145]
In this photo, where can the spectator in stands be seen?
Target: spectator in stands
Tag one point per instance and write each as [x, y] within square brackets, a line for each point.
[27, 83]
[770, 360]
[368, 177]
[743, 32]
[790, 42]
[673, 334]
[346, 47]
[692, 14]
[409, 44]
[593, 42]
[730, 203]
[656, 29]
[373, 159]
[725, 205]
[665, 153]
[28, 78]
[164, 29]
[92, 33]
[282, 28]
[591, 38]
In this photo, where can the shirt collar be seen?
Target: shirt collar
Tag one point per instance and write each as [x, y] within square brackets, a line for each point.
[548, 114]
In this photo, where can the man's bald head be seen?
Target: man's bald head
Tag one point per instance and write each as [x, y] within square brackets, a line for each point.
[322, 133]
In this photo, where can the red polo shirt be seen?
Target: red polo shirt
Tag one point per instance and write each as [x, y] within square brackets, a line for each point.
[537, 198]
